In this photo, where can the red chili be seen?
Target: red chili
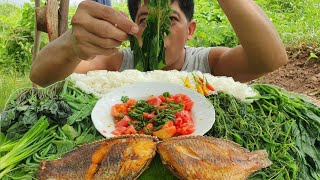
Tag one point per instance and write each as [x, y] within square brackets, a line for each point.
[210, 87]
[201, 80]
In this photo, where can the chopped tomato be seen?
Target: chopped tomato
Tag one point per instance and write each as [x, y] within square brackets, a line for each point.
[167, 124]
[166, 99]
[178, 121]
[130, 130]
[119, 108]
[167, 131]
[184, 123]
[185, 129]
[185, 116]
[119, 131]
[148, 115]
[163, 107]
[154, 101]
[149, 126]
[130, 102]
[185, 100]
[124, 122]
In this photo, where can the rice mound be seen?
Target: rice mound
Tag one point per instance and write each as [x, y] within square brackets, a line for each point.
[101, 82]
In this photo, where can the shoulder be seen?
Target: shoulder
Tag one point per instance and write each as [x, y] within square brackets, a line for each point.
[215, 55]
[196, 59]
[197, 51]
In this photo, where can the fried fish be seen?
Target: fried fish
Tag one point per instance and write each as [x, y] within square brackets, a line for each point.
[124, 157]
[199, 157]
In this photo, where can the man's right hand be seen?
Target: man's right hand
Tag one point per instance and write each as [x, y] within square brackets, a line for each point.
[98, 30]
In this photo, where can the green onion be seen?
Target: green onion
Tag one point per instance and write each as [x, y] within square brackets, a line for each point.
[36, 138]
[166, 94]
[121, 116]
[124, 99]
[146, 130]
[157, 128]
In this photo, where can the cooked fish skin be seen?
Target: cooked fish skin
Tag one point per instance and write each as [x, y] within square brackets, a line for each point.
[202, 157]
[131, 160]
[122, 157]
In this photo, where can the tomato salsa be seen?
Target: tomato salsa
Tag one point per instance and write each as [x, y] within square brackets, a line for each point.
[163, 116]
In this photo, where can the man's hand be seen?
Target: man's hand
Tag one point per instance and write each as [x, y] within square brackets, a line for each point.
[98, 30]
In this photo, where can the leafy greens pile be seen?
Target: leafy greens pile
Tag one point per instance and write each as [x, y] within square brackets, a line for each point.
[284, 124]
[43, 124]
[151, 56]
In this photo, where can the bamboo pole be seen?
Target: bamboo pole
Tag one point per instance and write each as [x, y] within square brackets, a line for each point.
[63, 16]
[37, 37]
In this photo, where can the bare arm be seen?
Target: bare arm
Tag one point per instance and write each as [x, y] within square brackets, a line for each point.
[261, 50]
[97, 31]
[54, 62]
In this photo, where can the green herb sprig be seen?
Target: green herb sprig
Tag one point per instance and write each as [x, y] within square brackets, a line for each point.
[151, 56]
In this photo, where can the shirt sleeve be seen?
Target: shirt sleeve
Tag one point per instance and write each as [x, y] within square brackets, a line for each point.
[197, 59]
[127, 61]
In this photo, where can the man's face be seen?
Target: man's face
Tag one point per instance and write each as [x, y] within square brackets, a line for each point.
[181, 30]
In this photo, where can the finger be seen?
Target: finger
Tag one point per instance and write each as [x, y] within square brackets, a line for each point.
[103, 29]
[104, 43]
[114, 17]
[82, 35]
[97, 50]
[124, 14]
[87, 51]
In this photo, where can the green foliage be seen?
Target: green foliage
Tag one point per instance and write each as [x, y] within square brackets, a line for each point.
[280, 122]
[18, 41]
[294, 20]
[10, 83]
[213, 27]
[152, 54]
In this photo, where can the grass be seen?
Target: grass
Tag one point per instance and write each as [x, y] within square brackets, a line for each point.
[297, 22]
[9, 83]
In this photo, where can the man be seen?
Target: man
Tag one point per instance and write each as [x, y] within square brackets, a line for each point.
[98, 30]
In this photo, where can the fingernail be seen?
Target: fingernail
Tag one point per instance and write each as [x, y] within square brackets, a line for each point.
[134, 29]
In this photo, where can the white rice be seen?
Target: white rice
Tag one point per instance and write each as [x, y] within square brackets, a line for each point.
[101, 82]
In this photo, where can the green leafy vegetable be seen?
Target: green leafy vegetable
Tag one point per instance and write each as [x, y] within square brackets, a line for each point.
[305, 132]
[37, 137]
[22, 113]
[75, 129]
[80, 102]
[283, 124]
[152, 54]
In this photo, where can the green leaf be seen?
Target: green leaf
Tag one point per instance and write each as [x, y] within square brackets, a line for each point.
[313, 56]
[151, 56]
[70, 132]
[3, 138]
[64, 146]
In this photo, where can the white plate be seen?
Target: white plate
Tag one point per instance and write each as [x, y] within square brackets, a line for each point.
[202, 112]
